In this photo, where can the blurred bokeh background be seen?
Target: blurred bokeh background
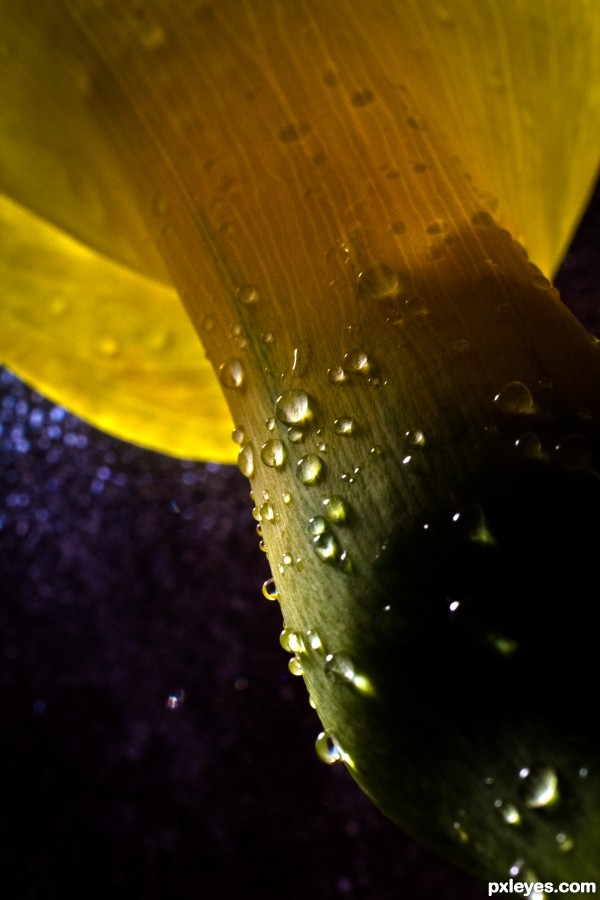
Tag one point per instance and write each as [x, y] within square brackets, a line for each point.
[153, 744]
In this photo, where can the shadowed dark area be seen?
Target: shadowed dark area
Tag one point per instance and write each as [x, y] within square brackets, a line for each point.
[154, 745]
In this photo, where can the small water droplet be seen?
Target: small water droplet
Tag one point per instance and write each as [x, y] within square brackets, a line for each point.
[327, 749]
[344, 425]
[574, 453]
[378, 282]
[326, 547]
[310, 469]
[508, 812]
[539, 786]
[529, 445]
[335, 508]
[293, 407]
[357, 361]
[287, 559]
[231, 373]
[317, 525]
[238, 435]
[273, 453]
[291, 641]
[245, 460]
[314, 642]
[339, 668]
[470, 525]
[270, 423]
[515, 397]
[286, 497]
[269, 590]
[295, 434]
[337, 375]
[266, 512]
[416, 438]
[295, 666]
[248, 294]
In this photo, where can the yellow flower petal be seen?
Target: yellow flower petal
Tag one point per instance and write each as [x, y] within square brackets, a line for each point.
[112, 345]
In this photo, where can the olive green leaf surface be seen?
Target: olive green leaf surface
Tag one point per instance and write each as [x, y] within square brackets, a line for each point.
[330, 188]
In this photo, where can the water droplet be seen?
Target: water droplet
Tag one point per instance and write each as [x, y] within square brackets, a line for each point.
[339, 668]
[508, 812]
[273, 453]
[286, 497]
[337, 375]
[314, 642]
[248, 294]
[317, 525]
[327, 749]
[266, 512]
[295, 666]
[515, 397]
[574, 453]
[482, 219]
[539, 786]
[378, 282]
[176, 699]
[269, 591]
[326, 547]
[362, 98]
[336, 509]
[238, 435]
[310, 469]
[529, 445]
[416, 438]
[471, 526]
[245, 460]
[357, 361]
[270, 423]
[293, 407]
[287, 559]
[291, 641]
[344, 425]
[231, 373]
[565, 842]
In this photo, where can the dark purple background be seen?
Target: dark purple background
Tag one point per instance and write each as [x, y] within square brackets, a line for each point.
[126, 578]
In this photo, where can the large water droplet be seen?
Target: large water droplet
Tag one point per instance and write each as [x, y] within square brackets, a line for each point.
[295, 666]
[245, 460]
[266, 512]
[336, 509]
[529, 445]
[231, 373]
[327, 749]
[310, 469]
[515, 397]
[293, 407]
[539, 786]
[378, 282]
[273, 453]
[339, 668]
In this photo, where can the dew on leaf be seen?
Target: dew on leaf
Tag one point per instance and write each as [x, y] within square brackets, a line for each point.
[291, 641]
[293, 407]
[337, 375]
[335, 509]
[310, 469]
[515, 397]
[327, 547]
[317, 525]
[231, 373]
[327, 749]
[269, 590]
[295, 666]
[345, 425]
[248, 294]
[339, 668]
[539, 786]
[378, 282]
[358, 362]
[245, 460]
[273, 453]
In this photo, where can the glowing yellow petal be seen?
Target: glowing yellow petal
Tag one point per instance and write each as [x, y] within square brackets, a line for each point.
[112, 345]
